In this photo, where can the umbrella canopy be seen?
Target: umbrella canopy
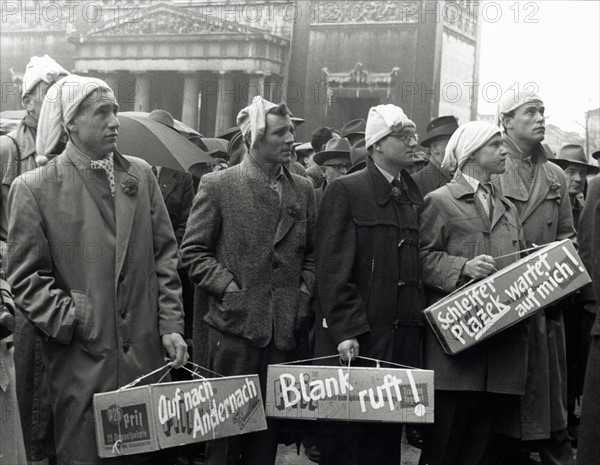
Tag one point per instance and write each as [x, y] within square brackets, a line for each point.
[181, 127]
[158, 144]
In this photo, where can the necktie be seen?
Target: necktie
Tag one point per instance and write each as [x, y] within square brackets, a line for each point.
[488, 189]
[106, 164]
[396, 189]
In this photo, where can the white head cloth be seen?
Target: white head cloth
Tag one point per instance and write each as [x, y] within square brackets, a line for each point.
[511, 100]
[60, 106]
[41, 69]
[383, 120]
[467, 139]
[253, 119]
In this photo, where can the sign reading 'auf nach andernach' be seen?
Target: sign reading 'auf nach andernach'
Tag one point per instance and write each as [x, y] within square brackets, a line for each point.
[506, 297]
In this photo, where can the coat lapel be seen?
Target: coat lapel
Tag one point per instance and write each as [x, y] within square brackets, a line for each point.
[125, 205]
[290, 207]
[543, 181]
[461, 189]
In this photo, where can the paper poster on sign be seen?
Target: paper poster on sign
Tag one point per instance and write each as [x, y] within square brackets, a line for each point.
[306, 392]
[159, 416]
[501, 300]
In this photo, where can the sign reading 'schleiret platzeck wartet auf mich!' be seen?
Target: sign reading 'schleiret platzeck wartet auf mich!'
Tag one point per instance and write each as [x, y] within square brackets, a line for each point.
[506, 297]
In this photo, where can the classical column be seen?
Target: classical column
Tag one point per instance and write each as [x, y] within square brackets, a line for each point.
[189, 114]
[225, 97]
[142, 92]
[256, 85]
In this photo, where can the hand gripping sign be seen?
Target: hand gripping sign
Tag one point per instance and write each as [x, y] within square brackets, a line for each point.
[484, 308]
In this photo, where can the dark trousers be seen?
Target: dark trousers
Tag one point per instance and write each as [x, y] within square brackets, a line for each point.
[360, 443]
[588, 452]
[230, 356]
[462, 430]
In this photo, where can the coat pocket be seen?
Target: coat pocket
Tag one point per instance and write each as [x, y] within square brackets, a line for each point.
[303, 310]
[233, 303]
[86, 328]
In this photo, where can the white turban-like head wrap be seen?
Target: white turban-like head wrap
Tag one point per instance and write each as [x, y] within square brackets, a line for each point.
[383, 120]
[41, 69]
[466, 140]
[253, 119]
[511, 100]
[60, 106]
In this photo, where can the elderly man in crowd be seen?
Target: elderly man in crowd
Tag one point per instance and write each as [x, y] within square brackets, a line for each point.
[18, 155]
[434, 175]
[368, 275]
[92, 259]
[249, 246]
[464, 226]
[539, 191]
[334, 161]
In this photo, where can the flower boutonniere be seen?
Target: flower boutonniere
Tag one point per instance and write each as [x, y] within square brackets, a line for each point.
[292, 210]
[554, 185]
[130, 186]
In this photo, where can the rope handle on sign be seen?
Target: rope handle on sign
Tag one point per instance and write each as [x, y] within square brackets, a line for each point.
[137, 380]
[205, 369]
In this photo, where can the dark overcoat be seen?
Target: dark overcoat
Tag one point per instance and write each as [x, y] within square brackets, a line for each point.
[368, 271]
[545, 213]
[589, 230]
[432, 177]
[454, 229]
[98, 277]
[235, 233]
[178, 193]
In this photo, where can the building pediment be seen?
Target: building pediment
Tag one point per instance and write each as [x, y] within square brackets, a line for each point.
[163, 19]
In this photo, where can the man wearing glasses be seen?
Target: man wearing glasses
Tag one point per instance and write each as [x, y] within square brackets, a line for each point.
[369, 299]
[334, 162]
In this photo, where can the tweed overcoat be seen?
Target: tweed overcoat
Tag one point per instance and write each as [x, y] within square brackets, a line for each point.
[98, 277]
[240, 230]
[589, 228]
[545, 213]
[368, 270]
[455, 228]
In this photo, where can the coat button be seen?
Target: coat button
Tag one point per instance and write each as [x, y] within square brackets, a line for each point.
[121, 277]
[122, 312]
[125, 346]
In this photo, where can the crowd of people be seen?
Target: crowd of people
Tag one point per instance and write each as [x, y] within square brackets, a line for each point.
[282, 251]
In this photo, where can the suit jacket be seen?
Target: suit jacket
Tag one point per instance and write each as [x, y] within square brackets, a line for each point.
[240, 230]
[98, 277]
[455, 228]
[368, 270]
[178, 193]
[431, 178]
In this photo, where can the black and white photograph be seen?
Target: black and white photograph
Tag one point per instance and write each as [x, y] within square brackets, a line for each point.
[288, 232]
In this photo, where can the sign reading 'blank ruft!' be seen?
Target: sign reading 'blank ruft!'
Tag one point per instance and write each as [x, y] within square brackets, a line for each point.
[514, 293]
[159, 416]
[301, 392]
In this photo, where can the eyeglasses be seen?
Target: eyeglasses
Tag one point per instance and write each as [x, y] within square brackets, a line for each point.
[338, 166]
[406, 138]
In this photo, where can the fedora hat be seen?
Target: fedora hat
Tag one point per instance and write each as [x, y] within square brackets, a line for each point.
[444, 126]
[335, 148]
[573, 154]
[355, 128]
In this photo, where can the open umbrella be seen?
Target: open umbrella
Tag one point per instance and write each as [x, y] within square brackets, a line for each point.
[158, 144]
[181, 127]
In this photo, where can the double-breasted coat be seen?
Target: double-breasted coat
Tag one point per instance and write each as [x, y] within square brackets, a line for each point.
[97, 276]
[368, 271]
[455, 228]
[240, 230]
[545, 213]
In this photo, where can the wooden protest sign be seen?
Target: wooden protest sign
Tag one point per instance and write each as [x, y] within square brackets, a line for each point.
[506, 297]
[159, 416]
[306, 392]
